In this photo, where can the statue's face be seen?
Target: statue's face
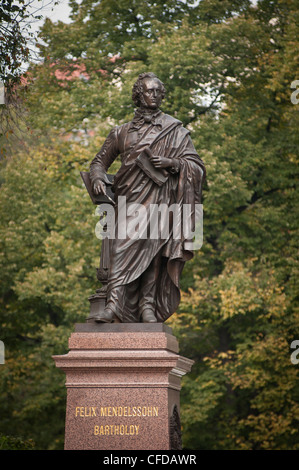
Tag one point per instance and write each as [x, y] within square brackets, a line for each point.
[152, 93]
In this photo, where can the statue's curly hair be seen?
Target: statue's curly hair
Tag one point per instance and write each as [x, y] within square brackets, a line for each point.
[138, 87]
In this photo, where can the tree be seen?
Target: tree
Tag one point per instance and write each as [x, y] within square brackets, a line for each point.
[112, 42]
[48, 259]
[243, 304]
[17, 48]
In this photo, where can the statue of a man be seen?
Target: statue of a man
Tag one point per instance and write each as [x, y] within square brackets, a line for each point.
[144, 272]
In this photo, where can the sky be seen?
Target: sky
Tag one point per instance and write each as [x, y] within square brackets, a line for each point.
[48, 10]
[59, 12]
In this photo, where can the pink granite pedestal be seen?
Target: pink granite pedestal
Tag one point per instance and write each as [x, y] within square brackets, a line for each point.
[123, 387]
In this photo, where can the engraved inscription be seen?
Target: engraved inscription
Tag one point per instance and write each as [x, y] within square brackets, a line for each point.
[129, 411]
[85, 411]
[110, 411]
[116, 429]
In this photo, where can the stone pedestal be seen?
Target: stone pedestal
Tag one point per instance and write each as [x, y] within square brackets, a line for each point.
[123, 387]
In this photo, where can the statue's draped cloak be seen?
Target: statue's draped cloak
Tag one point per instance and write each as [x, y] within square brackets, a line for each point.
[129, 258]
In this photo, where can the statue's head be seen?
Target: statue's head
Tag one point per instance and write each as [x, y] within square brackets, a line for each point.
[148, 91]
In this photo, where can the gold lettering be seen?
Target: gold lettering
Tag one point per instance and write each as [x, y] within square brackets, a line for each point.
[85, 411]
[116, 430]
[121, 411]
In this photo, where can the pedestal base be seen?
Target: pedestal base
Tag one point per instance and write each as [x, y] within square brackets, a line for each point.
[123, 387]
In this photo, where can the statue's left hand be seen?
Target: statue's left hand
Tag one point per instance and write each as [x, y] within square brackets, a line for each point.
[161, 162]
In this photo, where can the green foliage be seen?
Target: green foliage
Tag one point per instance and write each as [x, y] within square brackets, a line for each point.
[15, 443]
[48, 259]
[242, 391]
[227, 68]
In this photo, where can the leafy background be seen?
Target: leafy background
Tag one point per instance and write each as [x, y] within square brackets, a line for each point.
[228, 68]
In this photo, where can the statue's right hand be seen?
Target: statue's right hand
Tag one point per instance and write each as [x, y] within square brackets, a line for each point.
[99, 187]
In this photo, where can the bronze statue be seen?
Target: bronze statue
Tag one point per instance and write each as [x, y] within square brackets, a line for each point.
[159, 165]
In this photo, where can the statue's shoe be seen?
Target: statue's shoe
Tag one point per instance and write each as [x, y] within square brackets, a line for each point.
[106, 317]
[148, 316]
